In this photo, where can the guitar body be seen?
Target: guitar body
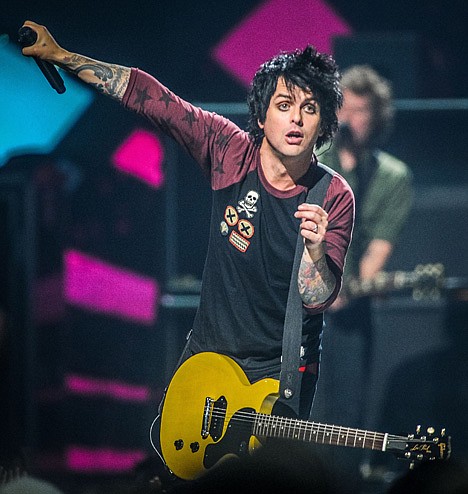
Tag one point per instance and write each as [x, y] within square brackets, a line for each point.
[208, 412]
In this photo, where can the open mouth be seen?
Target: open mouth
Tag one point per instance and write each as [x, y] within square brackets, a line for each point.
[294, 137]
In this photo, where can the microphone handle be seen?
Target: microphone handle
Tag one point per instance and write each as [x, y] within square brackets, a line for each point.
[51, 74]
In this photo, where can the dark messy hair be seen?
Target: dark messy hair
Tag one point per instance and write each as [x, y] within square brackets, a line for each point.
[363, 80]
[307, 69]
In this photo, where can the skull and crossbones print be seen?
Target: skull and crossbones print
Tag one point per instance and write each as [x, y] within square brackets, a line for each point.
[247, 205]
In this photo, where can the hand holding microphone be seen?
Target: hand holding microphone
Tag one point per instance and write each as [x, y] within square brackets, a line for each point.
[28, 37]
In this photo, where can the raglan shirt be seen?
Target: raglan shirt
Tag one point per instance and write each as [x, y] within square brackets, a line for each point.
[253, 233]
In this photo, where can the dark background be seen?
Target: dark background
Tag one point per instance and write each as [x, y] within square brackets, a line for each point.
[421, 46]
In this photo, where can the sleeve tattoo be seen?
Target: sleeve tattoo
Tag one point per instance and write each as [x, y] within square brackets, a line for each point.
[315, 280]
[108, 79]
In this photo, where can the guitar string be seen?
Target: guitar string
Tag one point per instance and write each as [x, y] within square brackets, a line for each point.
[305, 426]
[335, 431]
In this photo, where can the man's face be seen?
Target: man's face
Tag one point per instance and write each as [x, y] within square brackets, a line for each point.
[357, 113]
[292, 122]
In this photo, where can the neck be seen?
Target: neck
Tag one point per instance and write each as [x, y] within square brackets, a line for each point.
[283, 173]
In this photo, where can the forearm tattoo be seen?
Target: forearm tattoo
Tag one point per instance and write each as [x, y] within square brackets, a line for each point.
[315, 280]
[108, 79]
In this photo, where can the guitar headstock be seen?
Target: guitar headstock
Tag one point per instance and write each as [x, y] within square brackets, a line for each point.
[428, 281]
[419, 447]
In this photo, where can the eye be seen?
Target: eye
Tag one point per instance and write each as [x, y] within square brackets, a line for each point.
[310, 108]
[284, 106]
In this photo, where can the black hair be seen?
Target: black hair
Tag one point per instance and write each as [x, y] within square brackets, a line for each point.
[307, 69]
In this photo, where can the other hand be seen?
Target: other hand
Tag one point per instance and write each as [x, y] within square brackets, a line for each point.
[314, 223]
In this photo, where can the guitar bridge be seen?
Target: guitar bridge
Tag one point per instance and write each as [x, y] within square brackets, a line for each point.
[207, 410]
[214, 414]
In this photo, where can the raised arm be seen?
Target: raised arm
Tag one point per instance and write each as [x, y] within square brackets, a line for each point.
[107, 78]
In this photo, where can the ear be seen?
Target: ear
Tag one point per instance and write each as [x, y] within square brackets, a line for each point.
[260, 124]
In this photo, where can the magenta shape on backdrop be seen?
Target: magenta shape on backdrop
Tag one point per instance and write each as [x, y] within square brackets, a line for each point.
[141, 154]
[97, 387]
[275, 26]
[82, 459]
[98, 286]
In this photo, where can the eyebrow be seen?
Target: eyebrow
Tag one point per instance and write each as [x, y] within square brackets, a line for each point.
[290, 97]
[283, 95]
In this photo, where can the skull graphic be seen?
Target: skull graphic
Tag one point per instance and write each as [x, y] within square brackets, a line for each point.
[247, 205]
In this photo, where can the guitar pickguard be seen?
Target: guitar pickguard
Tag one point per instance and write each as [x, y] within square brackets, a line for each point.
[235, 440]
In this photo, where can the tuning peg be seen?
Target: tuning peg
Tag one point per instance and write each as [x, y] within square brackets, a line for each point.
[442, 432]
[430, 430]
[418, 429]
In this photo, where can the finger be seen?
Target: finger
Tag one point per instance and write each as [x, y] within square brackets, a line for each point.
[311, 216]
[311, 213]
[310, 225]
[312, 207]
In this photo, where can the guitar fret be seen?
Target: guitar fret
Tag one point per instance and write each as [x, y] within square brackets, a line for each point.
[305, 429]
[274, 426]
[324, 429]
[296, 427]
[313, 432]
[279, 427]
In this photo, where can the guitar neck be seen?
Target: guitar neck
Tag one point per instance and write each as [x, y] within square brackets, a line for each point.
[425, 280]
[383, 283]
[301, 430]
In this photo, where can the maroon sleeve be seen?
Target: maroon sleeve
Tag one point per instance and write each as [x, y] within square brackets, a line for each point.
[217, 144]
[339, 204]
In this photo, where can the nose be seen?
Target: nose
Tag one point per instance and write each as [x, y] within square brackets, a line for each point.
[296, 115]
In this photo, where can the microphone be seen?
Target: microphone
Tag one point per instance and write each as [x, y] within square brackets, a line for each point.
[27, 37]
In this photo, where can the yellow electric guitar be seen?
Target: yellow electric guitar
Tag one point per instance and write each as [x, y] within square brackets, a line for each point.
[210, 410]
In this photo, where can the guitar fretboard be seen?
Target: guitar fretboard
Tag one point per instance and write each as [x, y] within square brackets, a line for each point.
[301, 430]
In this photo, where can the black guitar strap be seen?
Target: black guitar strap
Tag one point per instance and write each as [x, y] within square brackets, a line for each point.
[290, 383]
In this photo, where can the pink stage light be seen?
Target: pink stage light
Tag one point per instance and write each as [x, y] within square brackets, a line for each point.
[275, 26]
[141, 155]
[92, 460]
[98, 286]
[93, 387]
